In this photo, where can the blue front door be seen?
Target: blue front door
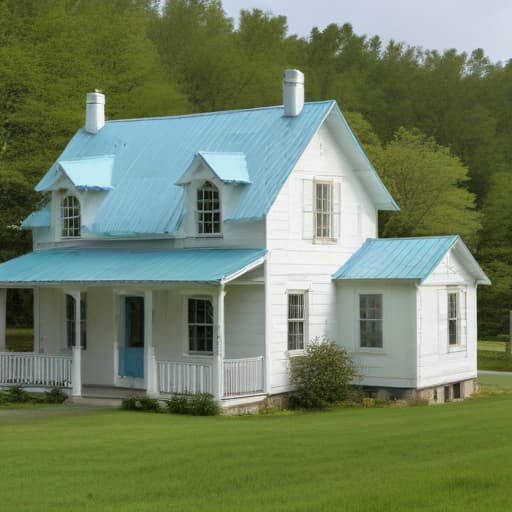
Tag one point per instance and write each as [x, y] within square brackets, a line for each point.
[131, 353]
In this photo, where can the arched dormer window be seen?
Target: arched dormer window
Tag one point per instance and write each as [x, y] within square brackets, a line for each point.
[70, 217]
[208, 209]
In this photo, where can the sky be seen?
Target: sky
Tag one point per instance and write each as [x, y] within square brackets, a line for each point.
[431, 24]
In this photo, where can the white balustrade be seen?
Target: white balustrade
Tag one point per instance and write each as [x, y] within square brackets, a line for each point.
[186, 378]
[243, 376]
[35, 369]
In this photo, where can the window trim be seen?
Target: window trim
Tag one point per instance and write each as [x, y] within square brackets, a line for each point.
[453, 320]
[188, 351]
[65, 218]
[204, 186]
[316, 237]
[359, 320]
[305, 324]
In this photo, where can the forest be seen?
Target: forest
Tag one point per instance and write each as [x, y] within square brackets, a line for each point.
[437, 126]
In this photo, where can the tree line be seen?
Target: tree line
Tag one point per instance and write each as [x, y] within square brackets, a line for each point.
[436, 125]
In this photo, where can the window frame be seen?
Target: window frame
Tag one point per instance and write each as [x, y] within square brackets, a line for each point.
[453, 319]
[327, 213]
[188, 324]
[69, 306]
[208, 186]
[70, 221]
[295, 321]
[379, 320]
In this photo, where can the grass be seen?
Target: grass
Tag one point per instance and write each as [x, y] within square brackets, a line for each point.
[492, 355]
[453, 457]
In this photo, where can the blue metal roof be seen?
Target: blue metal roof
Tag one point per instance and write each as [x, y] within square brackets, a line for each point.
[228, 167]
[78, 265]
[86, 174]
[396, 258]
[152, 154]
[38, 219]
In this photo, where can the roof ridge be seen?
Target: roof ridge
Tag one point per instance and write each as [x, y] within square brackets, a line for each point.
[213, 113]
[429, 237]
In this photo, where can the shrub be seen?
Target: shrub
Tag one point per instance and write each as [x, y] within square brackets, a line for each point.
[199, 404]
[55, 396]
[16, 394]
[322, 376]
[203, 404]
[140, 403]
[178, 405]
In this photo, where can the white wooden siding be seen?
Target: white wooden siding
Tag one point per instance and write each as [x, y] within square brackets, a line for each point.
[438, 362]
[395, 364]
[296, 261]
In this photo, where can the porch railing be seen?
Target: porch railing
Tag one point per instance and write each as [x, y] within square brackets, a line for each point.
[36, 369]
[184, 377]
[243, 376]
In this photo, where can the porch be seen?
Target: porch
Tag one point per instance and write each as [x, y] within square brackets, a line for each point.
[240, 377]
[165, 321]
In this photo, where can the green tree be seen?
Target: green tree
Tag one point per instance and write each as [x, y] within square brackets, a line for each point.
[428, 183]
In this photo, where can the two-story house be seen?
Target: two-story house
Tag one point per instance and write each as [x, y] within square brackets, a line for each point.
[201, 252]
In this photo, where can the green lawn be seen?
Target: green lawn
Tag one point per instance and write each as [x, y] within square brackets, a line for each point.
[492, 355]
[439, 458]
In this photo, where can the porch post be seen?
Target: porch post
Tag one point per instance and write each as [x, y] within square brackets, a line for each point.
[3, 304]
[218, 361]
[76, 378]
[150, 376]
[267, 371]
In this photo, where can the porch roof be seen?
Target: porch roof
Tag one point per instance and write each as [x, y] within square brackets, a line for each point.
[127, 266]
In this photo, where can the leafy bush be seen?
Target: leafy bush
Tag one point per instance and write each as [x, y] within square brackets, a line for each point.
[203, 404]
[140, 403]
[323, 376]
[16, 394]
[55, 396]
[199, 404]
[178, 405]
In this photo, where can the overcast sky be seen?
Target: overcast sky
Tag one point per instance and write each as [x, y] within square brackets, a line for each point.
[433, 24]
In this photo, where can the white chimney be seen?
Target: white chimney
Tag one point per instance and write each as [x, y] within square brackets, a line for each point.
[95, 112]
[293, 92]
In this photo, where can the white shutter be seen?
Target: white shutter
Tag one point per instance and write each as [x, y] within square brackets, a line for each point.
[336, 210]
[307, 209]
[442, 318]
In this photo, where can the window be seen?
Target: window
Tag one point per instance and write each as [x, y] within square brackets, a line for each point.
[134, 321]
[200, 325]
[70, 217]
[70, 321]
[370, 321]
[208, 209]
[453, 313]
[296, 320]
[323, 210]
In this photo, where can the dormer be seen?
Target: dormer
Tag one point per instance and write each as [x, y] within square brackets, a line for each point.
[78, 187]
[212, 183]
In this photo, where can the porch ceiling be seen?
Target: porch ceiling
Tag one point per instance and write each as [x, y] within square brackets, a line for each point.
[112, 266]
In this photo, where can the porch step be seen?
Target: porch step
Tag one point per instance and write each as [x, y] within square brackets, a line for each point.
[109, 402]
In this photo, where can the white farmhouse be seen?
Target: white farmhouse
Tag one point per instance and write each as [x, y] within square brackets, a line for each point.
[199, 253]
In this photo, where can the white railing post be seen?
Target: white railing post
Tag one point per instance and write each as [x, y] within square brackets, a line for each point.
[76, 378]
[219, 350]
[3, 315]
[150, 377]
